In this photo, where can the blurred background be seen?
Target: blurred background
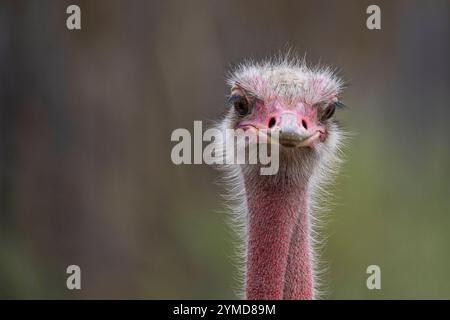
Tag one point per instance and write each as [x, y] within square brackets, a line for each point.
[85, 124]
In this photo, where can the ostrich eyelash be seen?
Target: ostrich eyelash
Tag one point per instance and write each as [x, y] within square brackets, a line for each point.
[330, 109]
[339, 105]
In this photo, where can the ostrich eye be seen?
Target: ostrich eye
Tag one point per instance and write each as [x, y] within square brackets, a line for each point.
[329, 111]
[240, 104]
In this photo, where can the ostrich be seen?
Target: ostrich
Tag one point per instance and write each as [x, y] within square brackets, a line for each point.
[274, 212]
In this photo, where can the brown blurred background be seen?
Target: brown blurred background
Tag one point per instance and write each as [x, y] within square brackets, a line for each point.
[85, 123]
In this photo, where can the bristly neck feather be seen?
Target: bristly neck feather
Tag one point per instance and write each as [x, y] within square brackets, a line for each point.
[279, 257]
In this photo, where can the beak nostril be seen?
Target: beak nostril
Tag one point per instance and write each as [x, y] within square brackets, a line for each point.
[272, 122]
[304, 124]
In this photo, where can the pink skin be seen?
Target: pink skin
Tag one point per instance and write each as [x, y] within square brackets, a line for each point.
[306, 115]
[279, 256]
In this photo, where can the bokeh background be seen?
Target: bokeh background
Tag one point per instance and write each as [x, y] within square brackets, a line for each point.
[85, 123]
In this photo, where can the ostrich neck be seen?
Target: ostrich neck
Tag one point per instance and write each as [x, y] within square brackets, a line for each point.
[278, 249]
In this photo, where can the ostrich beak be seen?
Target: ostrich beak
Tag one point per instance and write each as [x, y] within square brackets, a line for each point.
[291, 134]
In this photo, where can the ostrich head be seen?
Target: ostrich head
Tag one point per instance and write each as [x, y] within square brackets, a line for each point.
[299, 104]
